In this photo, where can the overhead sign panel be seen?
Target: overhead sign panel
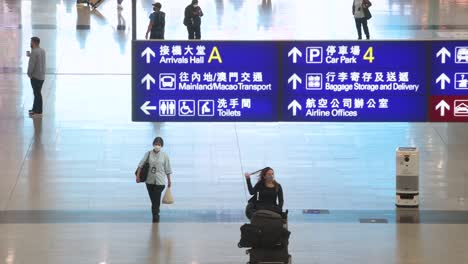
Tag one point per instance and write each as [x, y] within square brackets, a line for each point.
[205, 81]
[323, 81]
[354, 81]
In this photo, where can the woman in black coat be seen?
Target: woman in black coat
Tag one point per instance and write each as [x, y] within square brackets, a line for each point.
[267, 193]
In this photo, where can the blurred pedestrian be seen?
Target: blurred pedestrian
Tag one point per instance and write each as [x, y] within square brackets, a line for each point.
[157, 23]
[361, 16]
[192, 20]
[36, 72]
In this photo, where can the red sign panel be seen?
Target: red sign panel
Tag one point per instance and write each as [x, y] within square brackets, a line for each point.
[448, 109]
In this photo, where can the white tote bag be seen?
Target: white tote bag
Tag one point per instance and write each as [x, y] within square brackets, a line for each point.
[168, 199]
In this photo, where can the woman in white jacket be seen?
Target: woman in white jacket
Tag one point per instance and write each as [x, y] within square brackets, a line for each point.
[159, 169]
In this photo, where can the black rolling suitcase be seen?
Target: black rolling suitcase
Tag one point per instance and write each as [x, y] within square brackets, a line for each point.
[264, 217]
[278, 255]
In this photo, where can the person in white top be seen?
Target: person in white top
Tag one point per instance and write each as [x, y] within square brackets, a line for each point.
[361, 15]
[159, 169]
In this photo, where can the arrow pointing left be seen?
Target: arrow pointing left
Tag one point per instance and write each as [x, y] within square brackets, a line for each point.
[148, 79]
[145, 107]
[148, 52]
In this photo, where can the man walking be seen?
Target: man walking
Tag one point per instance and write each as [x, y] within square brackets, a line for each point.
[157, 23]
[36, 72]
[192, 20]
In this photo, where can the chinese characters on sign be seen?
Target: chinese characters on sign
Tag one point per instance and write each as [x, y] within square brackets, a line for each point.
[300, 81]
[205, 82]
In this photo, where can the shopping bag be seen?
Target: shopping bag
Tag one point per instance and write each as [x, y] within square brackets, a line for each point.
[168, 199]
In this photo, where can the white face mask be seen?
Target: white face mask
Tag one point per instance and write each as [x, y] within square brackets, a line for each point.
[195, 5]
[157, 148]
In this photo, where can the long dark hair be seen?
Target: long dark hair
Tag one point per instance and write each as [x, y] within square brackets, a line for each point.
[263, 175]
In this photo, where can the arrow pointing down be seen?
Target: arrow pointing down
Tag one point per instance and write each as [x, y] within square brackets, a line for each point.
[148, 79]
[148, 52]
[145, 107]
[294, 105]
[442, 80]
[442, 106]
[294, 79]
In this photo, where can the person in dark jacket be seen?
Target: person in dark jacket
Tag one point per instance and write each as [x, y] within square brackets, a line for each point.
[157, 23]
[192, 20]
[267, 193]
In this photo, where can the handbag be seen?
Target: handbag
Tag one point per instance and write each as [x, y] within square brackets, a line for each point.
[367, 13]
[168, 199]
[144, 170]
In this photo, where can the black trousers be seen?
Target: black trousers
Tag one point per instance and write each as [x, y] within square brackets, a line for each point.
[362, 22]
[156, 35]
[37, 88]
[155, 192]
[194, 32]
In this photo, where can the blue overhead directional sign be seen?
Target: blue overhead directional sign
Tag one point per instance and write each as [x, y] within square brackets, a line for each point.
[354, 81]
[205, 81]
[449, 63]
[323, 81]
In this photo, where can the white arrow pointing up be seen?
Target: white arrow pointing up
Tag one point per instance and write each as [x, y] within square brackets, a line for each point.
[148, 79]
[294, 105]
[442, 106]
[443, 53]
[145, 107]
[443, 79]
[295, 52]
[294, 79]
[148, 52]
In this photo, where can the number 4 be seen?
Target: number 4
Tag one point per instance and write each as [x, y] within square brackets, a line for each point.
[369, 55]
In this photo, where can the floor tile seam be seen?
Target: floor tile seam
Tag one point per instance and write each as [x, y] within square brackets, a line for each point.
[440, 136]
[20, 171]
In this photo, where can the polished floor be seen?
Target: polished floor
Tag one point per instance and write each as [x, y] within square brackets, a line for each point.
[67, 190]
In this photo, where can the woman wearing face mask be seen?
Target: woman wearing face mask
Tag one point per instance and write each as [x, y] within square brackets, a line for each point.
[159, 168]
[267, 193]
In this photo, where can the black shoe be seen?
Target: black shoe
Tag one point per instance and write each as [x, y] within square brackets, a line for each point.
[156, 219]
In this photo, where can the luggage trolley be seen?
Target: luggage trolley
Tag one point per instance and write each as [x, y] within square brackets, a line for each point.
[270, 238]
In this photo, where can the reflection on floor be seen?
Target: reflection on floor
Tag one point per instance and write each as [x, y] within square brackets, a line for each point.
[67, 192]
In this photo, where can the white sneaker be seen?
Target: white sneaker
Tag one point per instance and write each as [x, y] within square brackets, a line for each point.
[119, 7]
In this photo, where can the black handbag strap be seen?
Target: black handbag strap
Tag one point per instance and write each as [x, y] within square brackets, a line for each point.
[147, 158]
